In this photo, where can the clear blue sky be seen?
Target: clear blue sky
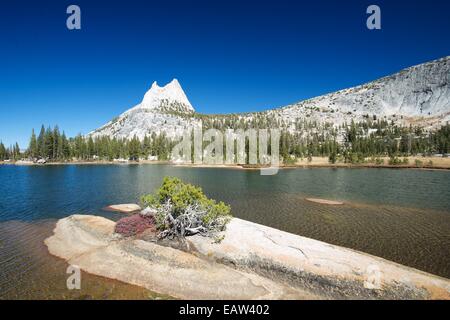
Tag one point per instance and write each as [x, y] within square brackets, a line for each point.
[229, 56]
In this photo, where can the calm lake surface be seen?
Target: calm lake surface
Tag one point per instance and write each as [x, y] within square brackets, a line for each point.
[401, 215]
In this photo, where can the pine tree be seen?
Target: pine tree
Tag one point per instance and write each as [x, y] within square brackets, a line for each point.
[41, 144]
[65, 147]
[2, 151]
[90, 148]
[134, 147]
[48, 141]
[55, 140]
[33, 150]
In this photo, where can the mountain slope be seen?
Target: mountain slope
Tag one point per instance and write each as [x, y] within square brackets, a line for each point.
[418, 95]
[422, 91]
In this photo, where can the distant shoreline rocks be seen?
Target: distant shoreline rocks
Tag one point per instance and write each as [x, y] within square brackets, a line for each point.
[24, 163]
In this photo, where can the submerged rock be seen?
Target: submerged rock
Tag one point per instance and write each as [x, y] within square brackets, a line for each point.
[124, 208]
[252, 262]
[324, 201]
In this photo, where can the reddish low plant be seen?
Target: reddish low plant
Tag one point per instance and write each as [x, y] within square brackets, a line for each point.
[135, 224]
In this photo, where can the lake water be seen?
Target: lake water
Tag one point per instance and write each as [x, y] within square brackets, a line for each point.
[401, 215]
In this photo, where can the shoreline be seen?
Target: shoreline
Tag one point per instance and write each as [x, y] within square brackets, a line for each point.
[317, 162]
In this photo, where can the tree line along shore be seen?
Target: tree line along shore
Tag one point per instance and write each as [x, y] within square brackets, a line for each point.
[371, 142]
[426, 163]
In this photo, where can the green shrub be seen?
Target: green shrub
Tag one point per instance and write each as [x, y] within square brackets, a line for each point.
[361, 158]
[419, 163]
[332, 158]
[355, 158]
[394, 161]
[182, 195]
[288, 160]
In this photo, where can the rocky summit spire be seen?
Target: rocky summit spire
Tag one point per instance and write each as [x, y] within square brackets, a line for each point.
[171, 96]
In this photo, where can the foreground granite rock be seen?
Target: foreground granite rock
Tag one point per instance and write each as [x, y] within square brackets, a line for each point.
[252, 262]
[319, 267]
[89, 242]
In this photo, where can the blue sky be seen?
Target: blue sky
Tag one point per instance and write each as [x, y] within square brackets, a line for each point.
[229, 56]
